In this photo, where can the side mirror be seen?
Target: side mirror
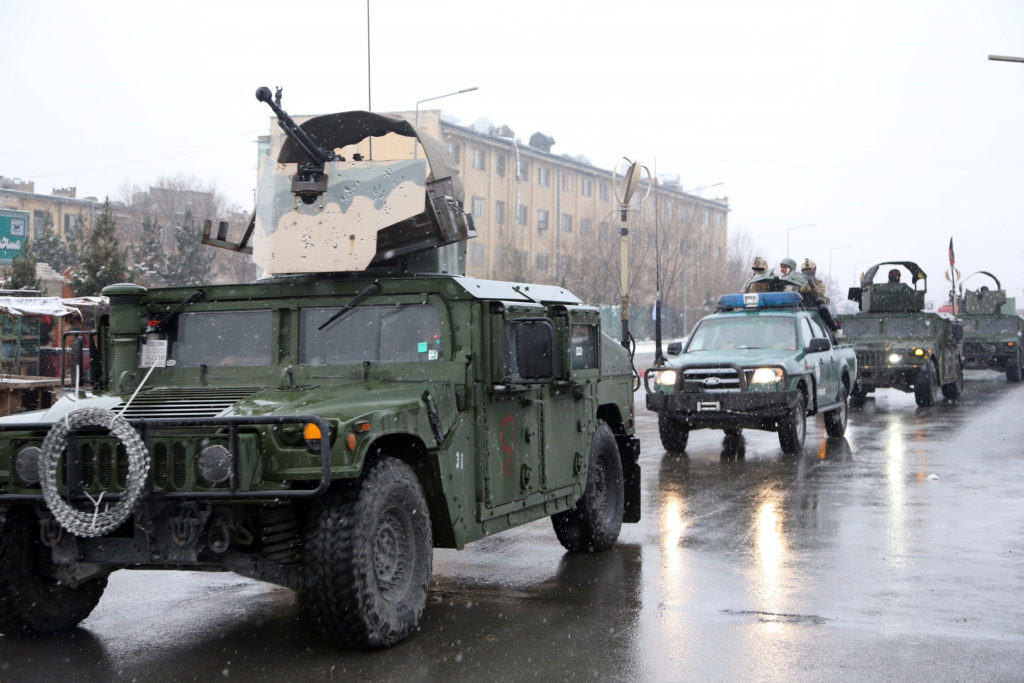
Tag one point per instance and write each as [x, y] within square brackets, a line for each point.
[674, 348]
[854, 294]
[818, 344]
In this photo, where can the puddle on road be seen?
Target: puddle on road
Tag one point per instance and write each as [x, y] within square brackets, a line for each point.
[777, 617]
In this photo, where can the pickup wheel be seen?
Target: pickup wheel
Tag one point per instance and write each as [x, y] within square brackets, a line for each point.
[835, 420]
[1013, 369]
[31, 602]
[367, 558]
[926, 385]
[673, 434]
[793, 427]
[593, 524]
[954, 389]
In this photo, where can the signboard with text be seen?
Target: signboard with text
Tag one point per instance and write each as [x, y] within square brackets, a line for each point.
[13, 233]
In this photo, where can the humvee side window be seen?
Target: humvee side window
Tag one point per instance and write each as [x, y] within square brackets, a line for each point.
[407, 333]
[528, 349]
[583, 346]
[222, 339]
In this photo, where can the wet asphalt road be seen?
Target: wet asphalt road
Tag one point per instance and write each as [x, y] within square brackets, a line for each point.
[896, 553]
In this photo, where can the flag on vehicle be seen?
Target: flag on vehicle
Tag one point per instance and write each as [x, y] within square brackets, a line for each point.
[951, 259]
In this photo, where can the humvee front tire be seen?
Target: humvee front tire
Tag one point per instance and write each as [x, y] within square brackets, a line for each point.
[925, 385]
[673, 434]
[32, 603]
[594, 523]
[367, 558]
[793, 427]
[1013, 369]
[954, 389]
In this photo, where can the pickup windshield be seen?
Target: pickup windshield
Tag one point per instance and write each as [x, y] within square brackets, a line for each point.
[377, 334]
[744, 332]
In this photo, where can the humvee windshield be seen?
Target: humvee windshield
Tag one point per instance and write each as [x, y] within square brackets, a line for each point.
[862, 328]
[997, 327]
[744, 332]
[908, 327]
[222, 339]
[378, 334]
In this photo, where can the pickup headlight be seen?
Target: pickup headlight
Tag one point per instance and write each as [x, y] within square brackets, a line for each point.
[766, 375]
[665, 378]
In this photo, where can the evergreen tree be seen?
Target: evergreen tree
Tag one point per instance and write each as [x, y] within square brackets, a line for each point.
[49, 247]
[149, 254]
[188, 262]
[22, 273]
[101, 261]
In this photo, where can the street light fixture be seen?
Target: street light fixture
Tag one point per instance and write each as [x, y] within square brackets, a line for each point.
[416, 121]
[795, 227]
[702, 187]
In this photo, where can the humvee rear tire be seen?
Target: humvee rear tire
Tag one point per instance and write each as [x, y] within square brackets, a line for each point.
[1013, 370]
[835, 420]
[673, 434]
[367, 558]
[793, 427]
[594, 523]
[925, 387]
[32, 603]
[858, 395]
[954, 389]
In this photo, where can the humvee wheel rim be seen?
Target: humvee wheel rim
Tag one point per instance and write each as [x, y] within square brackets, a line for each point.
[391, 553]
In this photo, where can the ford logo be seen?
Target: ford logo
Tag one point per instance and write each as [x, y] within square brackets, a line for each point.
[712, 381]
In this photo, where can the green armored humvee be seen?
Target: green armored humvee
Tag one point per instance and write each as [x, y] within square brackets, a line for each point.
[898, 343]
[993, 331]
[322, 429]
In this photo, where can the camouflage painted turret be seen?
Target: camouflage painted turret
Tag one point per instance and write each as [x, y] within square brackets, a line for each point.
[993, 332]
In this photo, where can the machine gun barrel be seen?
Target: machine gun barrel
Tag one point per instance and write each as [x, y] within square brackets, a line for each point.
[315, 152]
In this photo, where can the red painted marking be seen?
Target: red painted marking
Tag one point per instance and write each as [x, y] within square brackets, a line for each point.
[508, 447]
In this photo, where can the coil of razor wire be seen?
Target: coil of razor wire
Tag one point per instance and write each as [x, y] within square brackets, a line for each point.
[96, 522]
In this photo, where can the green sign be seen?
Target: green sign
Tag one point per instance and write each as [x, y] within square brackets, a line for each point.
[13, 233]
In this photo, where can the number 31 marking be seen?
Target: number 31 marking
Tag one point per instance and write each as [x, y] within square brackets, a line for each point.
[459, 460]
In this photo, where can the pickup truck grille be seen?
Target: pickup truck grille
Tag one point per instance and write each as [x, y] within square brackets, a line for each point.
[711, 380]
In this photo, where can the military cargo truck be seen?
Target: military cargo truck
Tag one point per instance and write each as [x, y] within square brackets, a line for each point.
[899, 344]
[325, 428]
[992, 334]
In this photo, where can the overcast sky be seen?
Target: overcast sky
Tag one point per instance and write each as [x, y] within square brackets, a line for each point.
[883, 123]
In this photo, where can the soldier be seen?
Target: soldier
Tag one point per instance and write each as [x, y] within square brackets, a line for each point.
[815, 286]
[759, 270]
[795, 282]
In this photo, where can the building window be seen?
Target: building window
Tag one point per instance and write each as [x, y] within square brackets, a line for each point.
[670, 209]
[455, 149]
[566, 264]
[499, 212]
[479, 208]
[566, 223]
[542, 263]
[544, 176]
[542, 219]
[41, 219]
[587, 187]
[522, 214]
[523, 170]
[585, 226]
[707, 217]
[566, 182]
[604, 192]
[499, 165]
[479, 159]
[603, 230]
[477, 254]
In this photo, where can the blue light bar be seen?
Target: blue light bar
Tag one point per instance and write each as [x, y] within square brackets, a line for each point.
[761, 300]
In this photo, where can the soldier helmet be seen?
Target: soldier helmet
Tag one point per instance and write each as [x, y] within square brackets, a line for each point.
[808, 264]
[894, 275]
[759, 263]
[789, 263]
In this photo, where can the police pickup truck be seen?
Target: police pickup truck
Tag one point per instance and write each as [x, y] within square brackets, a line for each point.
[761, 361]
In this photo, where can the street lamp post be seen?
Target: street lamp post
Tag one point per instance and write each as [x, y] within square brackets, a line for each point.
[702, 187]
[416, 121]
[795, 227]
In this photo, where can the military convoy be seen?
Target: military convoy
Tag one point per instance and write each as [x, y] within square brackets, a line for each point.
[898, 343]
[764, 360]
[324, 428]
[993, 332]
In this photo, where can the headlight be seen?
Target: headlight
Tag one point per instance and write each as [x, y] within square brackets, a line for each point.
[894, 358]
[26, 465]
[919, 352]
[666, 378]
[766, 375]
[214, 464]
